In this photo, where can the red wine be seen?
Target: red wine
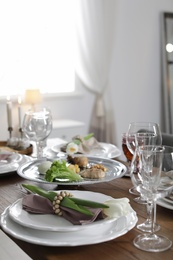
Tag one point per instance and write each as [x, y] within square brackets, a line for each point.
[127, 153]
[125, 149]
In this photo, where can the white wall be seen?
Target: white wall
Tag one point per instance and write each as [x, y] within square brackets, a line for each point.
[136, 69]
[135, 76]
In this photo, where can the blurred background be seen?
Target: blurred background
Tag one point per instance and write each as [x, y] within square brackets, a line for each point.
[134, 58]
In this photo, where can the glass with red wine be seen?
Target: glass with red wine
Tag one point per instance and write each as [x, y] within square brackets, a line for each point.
[129, 155]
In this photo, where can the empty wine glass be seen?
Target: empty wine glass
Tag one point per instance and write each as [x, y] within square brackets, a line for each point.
[141, 133]
[164, 189]
[150, 172]
[37, 126]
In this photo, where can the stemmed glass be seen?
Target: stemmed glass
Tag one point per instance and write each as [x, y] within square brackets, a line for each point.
[138, 134]
[150, 166]
[37, 126]
[129, 157]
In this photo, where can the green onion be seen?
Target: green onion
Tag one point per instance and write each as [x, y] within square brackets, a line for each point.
[87, 137]
[77, 204]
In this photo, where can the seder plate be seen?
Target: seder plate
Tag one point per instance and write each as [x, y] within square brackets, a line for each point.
[116, 170]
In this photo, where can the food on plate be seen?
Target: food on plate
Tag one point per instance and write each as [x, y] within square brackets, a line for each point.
[96, 171]
[44, 166]
[81, 144]
[71, 148]
[74, 167]
[60, 170]
[81, 161]
[93, 173]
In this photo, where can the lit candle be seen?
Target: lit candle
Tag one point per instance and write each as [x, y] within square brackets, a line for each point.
[20, 112]
[9, 112]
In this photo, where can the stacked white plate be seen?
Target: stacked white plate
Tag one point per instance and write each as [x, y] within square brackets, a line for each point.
[167, 201]
[52, 230]
[12, 163]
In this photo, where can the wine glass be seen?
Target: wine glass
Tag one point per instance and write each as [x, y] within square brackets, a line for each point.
[129, 157]
[125, 149]
[150, 166]
[140, 133]
[37, 126]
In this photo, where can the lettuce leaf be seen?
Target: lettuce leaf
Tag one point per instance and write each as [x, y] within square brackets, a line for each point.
[60, 170]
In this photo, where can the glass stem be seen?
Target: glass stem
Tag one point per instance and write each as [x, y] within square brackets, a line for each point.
[38, 150]
[149, 211]
[152, 206]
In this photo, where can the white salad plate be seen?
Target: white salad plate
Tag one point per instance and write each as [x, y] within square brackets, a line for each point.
[116, 170]
[13, 165]
[54, 223]
[96, 233]
[106, 150]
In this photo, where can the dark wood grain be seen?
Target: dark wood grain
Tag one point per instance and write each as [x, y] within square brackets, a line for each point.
[119, 248]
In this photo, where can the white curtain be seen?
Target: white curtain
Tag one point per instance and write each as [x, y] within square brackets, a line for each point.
[95, 36]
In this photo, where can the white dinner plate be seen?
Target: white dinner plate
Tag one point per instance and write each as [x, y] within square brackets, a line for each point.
[84, 237]
[116, 169]
[53, 222]
[10, 168]
[164, 203]
[168, 200]
[106, 150]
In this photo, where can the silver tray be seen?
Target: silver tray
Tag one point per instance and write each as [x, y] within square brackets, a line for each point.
[116, 170]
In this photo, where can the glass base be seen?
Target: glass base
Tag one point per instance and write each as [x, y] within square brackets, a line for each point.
[152, 243]
[146, 226]
[140, 200]
[134, 191]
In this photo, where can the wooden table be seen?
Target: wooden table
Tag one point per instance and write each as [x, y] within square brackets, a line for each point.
[119, 248]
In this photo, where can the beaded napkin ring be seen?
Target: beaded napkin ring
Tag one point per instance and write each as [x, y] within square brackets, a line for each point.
[57, 200]
[66, 199]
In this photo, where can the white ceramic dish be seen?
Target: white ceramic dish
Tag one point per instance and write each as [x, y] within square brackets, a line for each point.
[116, 169]
[168, 200]
[167, 181]
[10, 168]
[106, 151]
[52, 222]
[164, 203]
[84, 237]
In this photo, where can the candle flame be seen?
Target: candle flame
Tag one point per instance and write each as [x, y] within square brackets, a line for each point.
[19, 100]
[8, 98]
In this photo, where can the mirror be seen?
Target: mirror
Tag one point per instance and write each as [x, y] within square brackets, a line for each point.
[167, 72]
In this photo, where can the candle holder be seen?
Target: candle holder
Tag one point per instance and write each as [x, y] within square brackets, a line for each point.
[10, 129]
[21, 132]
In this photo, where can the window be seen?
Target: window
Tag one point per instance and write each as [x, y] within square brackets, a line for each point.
[37, 46]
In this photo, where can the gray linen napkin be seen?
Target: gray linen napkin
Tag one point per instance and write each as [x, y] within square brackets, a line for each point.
[4, 156]
[38, 205]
